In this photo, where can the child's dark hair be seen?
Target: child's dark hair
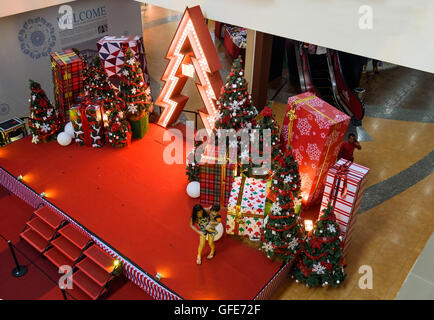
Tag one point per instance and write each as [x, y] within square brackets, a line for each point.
[215, 208]
[196, 209]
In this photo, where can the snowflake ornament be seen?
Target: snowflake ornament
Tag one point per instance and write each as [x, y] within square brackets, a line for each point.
[132, 108]
[130, 62]
[331, 228]
[35, 139]
[293, 244]
[125, 73]
[268, 246]
[318, 268]
[288, 179]
[276, 209]
[45, 128]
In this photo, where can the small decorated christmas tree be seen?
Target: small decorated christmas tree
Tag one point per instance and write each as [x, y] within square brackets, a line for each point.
[283, 230]
[119, 129]
[44, 122]
[193, 164]
[235, 108]
[97, 85]
[136, 94]
[268, 122]
[321, 262]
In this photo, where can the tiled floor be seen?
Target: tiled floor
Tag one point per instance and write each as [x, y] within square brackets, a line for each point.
[389, 236]
[420, 281]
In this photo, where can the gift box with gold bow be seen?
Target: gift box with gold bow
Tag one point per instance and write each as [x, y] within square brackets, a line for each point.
[344, 188]
[246, 208]
[67, 70]
[216, 176]
[315, 131]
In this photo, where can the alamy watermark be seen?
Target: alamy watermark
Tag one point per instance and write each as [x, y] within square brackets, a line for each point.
[245, 146]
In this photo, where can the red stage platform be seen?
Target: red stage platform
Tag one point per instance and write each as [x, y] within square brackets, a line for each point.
[137, 204]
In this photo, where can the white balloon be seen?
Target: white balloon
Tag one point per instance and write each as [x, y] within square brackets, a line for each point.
[219, 229]
[193, 189]
[69, 129]
[64, 139]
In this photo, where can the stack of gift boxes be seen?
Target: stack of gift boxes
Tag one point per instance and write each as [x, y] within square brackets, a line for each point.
[315, 130]
[88, 116]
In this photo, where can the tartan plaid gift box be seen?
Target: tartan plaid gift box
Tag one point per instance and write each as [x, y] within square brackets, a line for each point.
[67, 70]
[111, 49]
[216, 176]
[88, 122]
[246, 209]
[345, 185]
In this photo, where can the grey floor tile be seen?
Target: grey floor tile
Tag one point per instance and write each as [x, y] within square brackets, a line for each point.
[415, 288]
[424, 266]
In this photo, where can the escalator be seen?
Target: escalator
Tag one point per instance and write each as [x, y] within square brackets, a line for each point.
[322, 74]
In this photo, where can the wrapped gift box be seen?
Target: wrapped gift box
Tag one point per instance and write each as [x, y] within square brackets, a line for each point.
[67, 70]
[111, 49]
[216, 176]
[316, 135]
[88, 122]
[247, 219]
[350, 185]
[12, 130]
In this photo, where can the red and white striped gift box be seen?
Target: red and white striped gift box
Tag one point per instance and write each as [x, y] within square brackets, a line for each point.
[346, 207]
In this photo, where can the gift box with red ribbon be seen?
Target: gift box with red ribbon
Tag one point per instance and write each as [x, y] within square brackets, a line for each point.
[246, 208]
[112, 50]
[88, 122]
[216, 176]
[315, 130]
[344, 188]
[67, 71]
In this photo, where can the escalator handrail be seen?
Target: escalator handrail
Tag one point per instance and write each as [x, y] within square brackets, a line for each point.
[306, 82]
[340, 104]
[344, 93]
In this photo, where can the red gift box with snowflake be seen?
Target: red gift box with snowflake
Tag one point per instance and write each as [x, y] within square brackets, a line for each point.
[344, 187]
[316, 130]
[246, 208]
[67, 70]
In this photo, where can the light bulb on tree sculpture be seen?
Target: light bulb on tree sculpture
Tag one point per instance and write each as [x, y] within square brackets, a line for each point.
[191, 48]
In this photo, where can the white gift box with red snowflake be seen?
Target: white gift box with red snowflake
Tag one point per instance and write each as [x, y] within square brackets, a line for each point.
[347, 203]
[250, 218]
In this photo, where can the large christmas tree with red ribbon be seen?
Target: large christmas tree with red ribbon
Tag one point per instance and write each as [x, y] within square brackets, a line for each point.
[97, 85]
[119, 129]
[44, 122]
[271, 150]
[133, 89]
[235, 108]
[321, 262]
[283, 230]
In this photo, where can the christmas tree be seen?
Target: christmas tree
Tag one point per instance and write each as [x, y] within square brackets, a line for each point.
[321, 262]
[236, 112]
[97, 85]
[193, 164]
[133, 89]
[119, 129]
[268, 122]
[283, 230]
[44, 122]
[235, 108]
